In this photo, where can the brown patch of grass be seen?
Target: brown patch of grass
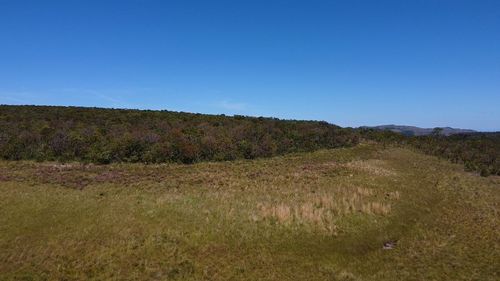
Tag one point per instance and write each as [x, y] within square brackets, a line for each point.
[322, 210]
[373, 167]
[395, 195]
[376, 208]
[4, 177]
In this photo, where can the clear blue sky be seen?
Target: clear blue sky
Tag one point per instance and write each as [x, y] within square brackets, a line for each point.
[426, 63]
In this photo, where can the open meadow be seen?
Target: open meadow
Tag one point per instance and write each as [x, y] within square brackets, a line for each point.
[361, 213]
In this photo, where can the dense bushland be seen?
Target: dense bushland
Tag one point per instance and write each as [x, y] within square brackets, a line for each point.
[112, 135]
[116, 135]
[478, 152]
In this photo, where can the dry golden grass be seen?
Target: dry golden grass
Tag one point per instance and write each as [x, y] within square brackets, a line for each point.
[323, 210]
[374, 167]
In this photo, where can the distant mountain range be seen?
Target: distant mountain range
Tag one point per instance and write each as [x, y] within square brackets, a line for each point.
[416, 131]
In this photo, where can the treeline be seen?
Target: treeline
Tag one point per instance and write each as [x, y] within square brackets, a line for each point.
[479, 152]
[47, 133]
[103, 136]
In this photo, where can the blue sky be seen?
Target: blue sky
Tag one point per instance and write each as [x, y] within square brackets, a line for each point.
[351, 62]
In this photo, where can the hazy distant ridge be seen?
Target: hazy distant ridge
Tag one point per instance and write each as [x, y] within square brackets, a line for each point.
[416, 131]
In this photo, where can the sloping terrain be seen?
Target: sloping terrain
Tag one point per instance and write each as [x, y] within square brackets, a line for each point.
[361, 213]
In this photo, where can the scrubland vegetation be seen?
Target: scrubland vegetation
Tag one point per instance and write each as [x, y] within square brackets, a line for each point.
[324, 215]
[109, 135]
[478, 152]
[103, 136]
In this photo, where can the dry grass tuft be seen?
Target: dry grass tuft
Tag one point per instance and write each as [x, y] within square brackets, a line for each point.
[322, 210]
[376, 208]
[393, 195]
[373, 167]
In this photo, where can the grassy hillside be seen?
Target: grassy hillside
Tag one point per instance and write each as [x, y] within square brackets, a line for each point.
[47, 133]
[325, 215]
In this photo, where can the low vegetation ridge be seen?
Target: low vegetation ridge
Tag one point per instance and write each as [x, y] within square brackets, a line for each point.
[110, 135]
[105, 136]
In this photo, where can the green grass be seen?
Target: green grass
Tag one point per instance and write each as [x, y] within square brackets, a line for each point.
[314, 216]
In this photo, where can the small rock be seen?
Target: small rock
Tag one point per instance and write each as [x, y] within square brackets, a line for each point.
[389, 245]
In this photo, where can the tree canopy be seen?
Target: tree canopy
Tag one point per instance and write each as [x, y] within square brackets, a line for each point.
[117, 135]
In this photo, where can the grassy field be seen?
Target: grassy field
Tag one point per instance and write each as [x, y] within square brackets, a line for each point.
[325, 215]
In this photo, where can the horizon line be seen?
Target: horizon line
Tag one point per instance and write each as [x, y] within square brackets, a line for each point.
[249, 116]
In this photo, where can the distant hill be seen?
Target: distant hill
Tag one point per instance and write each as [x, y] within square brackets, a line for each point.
[416, 131]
